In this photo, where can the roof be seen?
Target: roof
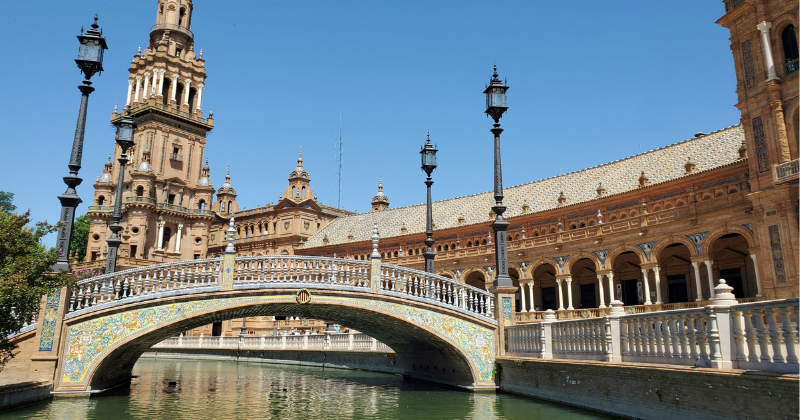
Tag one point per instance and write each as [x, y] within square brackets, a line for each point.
[708, 151]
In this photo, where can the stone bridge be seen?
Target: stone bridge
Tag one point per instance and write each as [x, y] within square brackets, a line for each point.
[93, 333]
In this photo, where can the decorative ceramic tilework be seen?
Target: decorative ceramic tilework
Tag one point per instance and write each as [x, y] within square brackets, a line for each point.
[747, 61]
[761, 145]
[777, 253]
[49, 322]
[749, 227]
[507, 311]
[602, 255]
[375, 275]
[647, 248]
[227, 271]
[697, 239]
[87, 343]
[561, 261]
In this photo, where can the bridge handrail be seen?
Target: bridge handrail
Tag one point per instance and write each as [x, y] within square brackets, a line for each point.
[254, 271]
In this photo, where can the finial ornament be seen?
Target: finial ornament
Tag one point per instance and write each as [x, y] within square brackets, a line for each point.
[201, 53]
[231, 235]
[116, 107]
[375, 238]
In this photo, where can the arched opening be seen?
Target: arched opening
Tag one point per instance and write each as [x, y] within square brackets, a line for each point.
[476, 279]
[627, 270]
[192, 96]
[165, 91]
[732, 262]
[229, 206]
[544, 276]
[469, 244]
[101, 200]
[182, 17]
[140, 191]
[790, 52]
[514, 274]
[420, 352]
[677, 275]
[303, 192]
[585, 292]
[201, 204]
[179, 93]
[293, 191]
[160, 18]
[165, 239]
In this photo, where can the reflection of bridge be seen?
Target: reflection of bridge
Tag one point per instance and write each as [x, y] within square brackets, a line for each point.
[328, 341]
[440, 329]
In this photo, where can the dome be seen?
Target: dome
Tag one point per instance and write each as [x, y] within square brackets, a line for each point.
[203, 182]
[144, 167]
[106, 175]
[299, 171]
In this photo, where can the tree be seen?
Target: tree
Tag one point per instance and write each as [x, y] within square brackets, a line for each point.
[80, 237]
[5, 202]
[25, 277]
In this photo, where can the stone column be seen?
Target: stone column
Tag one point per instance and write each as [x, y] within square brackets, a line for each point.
[522, 297]
[696, 266]
[174, 87]
[178, 238]
[600, 284]
[530, 295]
[611, 291]
[138, 88]
[186, 92]
[758, 276]
[160, 235]
[569, 293]
[710, 278]
[146, 85]
[200, 96]
[658, 286]
[161, 82]
[130, 91]
[768, 62]
[559, 292]
[646, 282]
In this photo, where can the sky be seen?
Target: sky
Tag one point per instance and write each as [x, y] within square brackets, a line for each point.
[590, 83]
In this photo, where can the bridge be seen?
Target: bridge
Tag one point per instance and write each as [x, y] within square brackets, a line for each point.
[440, 329]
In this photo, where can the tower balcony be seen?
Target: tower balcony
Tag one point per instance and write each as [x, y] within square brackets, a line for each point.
[157, 31]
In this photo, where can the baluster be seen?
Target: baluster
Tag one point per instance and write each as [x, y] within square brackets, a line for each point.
[789, 336]
[763, 335]
[683, 336]
[693, 344]
[623, 337]
[673, 336]
[491, 309]
[775, 336]
[167, 278]
[72, 298]
[660, 337]
[738, 335]
[701, 336]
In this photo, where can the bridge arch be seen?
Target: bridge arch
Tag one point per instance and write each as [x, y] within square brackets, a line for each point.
[431, 326]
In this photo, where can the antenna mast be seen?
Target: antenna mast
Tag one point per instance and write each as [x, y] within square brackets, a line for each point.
[339, 147]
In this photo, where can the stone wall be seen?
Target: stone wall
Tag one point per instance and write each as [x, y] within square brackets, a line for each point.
[371, 361]
[653, 391]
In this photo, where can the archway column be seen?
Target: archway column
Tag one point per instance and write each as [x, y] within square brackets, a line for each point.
[130, 92]
[763, 27]
[522, 298]
[146, 85]
[174, 87]
[600, 284]
[569, 294]
[160, 235]
[160, 90]
[530, 296]
[611, 290]
[646, 282]
[178, 238]
[138, 88]
[710, 278]
[559, 293]
[186, 94]
[696, 266]
[758, 275]
[656, 270]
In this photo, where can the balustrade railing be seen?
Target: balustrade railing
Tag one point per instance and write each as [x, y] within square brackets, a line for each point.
[279, 271]
[359, 342]
[787, 169]
[758, 335]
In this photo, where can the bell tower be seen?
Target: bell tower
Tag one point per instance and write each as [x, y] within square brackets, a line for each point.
[166, 215]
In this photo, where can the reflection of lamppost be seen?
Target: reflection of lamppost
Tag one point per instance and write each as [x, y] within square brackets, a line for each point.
[428, 154]
[125, 127]
[495, 107]
[90, 61]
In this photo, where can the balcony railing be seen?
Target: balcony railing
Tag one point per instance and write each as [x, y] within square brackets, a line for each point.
[786, 170]
[791, 66]
[137, 199]
[172, 27]
[176, 157]
[108, 209]
[180, 209]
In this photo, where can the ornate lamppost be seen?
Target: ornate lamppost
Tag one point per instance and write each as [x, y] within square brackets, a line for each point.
[495, 107]
[90, 61]
[428, 154]
[125, 127]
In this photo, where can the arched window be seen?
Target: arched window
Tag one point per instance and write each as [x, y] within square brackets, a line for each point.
[469, 244]
[483, 242]
[192, 96]
[790, 53]
[165, 91]
[573, 227]
[165, 239]
[182, 16]
[139, 191]
[303, 192]
[179, 93]
[101, 200]
[583, 225]
[161, 14]
[536, 233]
[200, 205]
[293, 192]
[229, 206]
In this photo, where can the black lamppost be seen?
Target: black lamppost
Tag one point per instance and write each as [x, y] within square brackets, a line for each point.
[428, 154]
[125, 127]
[495, 107]
[90, 61]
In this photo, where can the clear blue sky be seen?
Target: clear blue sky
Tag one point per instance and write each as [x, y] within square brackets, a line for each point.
[590, 83]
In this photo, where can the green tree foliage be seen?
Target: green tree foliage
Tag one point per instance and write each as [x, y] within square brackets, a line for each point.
[80, 237]
[5, 202]
[24, 279]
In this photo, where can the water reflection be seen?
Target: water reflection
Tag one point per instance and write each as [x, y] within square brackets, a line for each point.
[204, 389]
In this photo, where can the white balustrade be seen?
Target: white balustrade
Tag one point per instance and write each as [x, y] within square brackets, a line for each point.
[332, 341]
[526, 339]
[765, 335]
[678, 337]
[586, 339]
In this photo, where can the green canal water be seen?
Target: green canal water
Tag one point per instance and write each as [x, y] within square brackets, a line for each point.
[206, 389]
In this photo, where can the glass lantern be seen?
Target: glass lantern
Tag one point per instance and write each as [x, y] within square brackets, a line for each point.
[496, 97]
[90, 53]
[428, 155]
[125, 128]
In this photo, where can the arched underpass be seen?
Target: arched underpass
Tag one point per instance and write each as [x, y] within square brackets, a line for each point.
[430, 343]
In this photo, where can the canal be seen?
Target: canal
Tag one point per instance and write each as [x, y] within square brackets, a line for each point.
[208, 389]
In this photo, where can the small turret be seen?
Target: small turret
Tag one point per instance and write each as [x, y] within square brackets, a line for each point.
[380, 202]
[299, 188]
[226, 197]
